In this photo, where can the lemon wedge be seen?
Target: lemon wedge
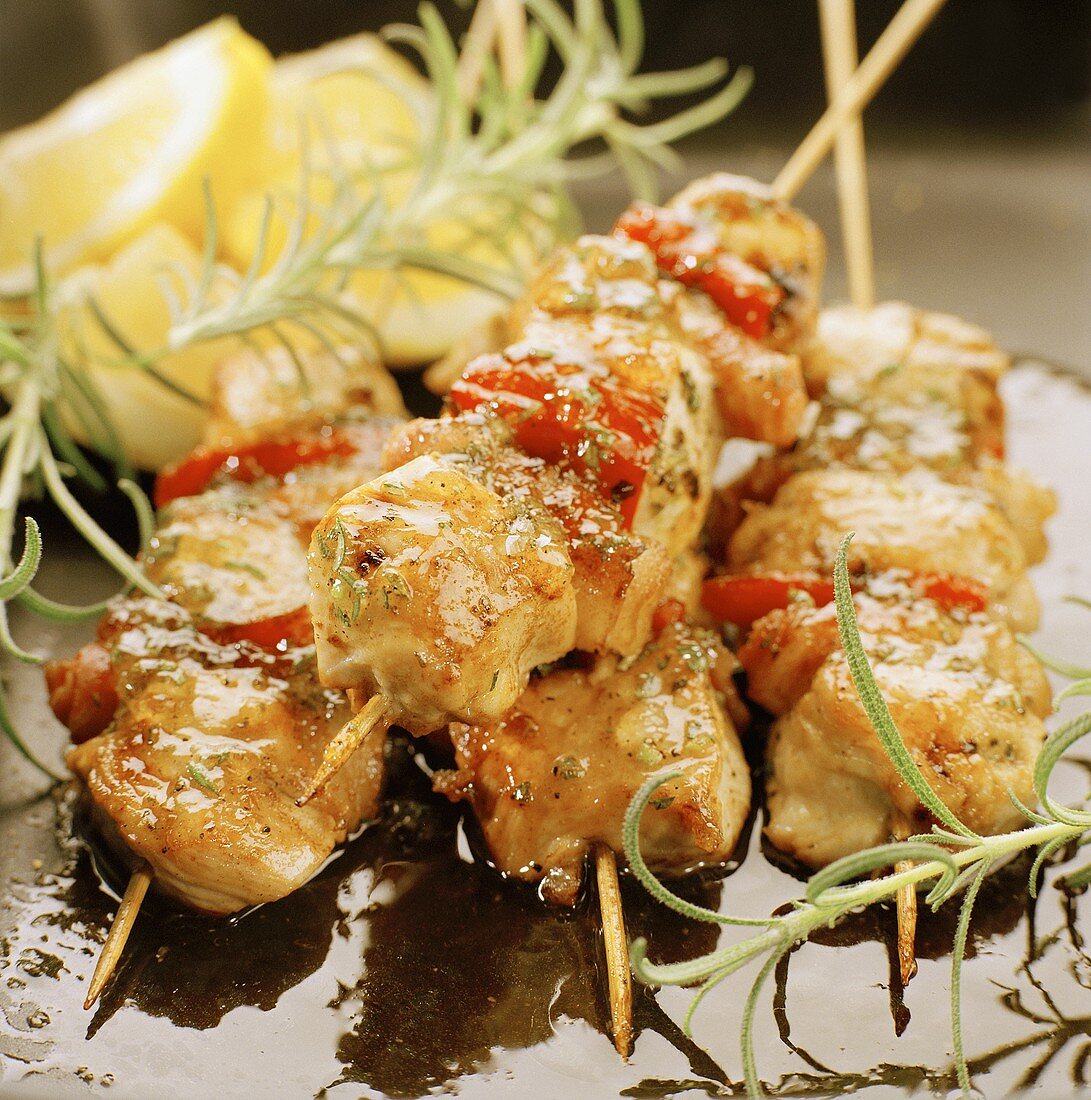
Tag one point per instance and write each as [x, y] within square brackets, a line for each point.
[154, 421]
[351, 103]
[132, 149]
[356, 94]
[359, 107]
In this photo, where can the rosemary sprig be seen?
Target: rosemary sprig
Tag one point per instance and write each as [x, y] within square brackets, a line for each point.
[39, 382]
[949, 860]
[499, 162]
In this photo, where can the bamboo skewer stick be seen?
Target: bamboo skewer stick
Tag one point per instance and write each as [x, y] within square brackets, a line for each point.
[475, 48]
[906, 901]
[905, 28]
[838, 21]
[377, 714]
[118, 935]
[618, 974]
[907, 926]
[511, 28]
[839, 54]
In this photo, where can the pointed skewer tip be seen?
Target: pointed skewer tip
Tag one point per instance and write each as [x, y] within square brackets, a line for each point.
[616, 943]
[907, 927]
[375, 713]
[118, 935]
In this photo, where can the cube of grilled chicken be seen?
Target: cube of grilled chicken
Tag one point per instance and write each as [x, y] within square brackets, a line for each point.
[929, 528]
[198, 770]
[920, 440]
[908, 347]
[235, 556]
[619, 577]
[601, 379]
[905, 390]
[968, 700]
[909, 412]
[1025, 503]
[772, 236]
[759, 391]
[441, 594]
[256, 394]
[234, 567]
[557, 772]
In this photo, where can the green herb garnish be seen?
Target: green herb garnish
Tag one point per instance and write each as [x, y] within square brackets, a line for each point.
[949, 859]
[202, 778]
[508, 152]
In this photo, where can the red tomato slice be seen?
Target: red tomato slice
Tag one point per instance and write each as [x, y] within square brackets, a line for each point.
[265, 458]
[692, 255]
[578, 415]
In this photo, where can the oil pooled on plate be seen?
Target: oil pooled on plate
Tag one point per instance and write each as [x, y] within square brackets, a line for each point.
[407, 967]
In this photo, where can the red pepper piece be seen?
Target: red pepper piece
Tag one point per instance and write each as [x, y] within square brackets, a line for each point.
[577, 415]
[265, 458]
[82, 692]
[744, 598]
[290, 630]
[691, 254]
[951, 591]
[667, 613]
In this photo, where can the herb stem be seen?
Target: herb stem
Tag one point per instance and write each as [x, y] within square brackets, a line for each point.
[24, 418]
[92, 533]
[18, 459]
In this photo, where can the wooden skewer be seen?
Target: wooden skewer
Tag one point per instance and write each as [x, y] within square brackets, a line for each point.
[118, 936]
[617, 949]
[906, 901]
[475, 48]
[511, 18]
[905, 28]
[376, 714]
[907, 926]
[838, 20]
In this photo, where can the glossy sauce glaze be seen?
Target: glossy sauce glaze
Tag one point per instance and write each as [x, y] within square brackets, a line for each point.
[406, 965]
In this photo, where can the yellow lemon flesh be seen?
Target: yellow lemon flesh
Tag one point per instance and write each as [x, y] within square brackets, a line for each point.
[154, 424]
[356, 95]
[133, 149]
[351, 103]
[362, 106]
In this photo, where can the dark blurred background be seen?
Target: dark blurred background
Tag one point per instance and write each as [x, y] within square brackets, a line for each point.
[991, 62]
[979, 145]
